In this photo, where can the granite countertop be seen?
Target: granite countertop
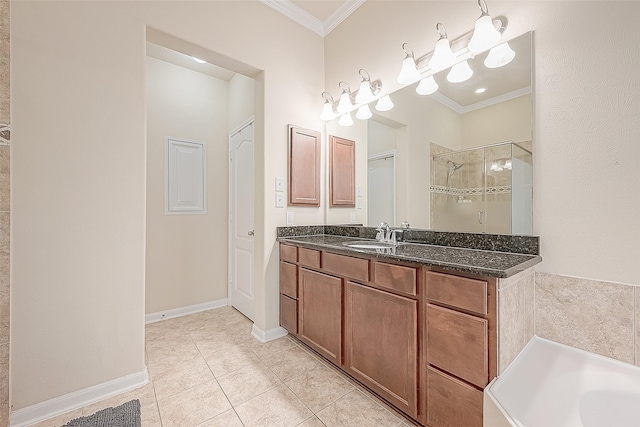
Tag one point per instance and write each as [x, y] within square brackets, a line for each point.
[475, 261]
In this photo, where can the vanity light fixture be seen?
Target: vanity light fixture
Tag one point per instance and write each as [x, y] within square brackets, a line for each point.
[345, 120]
[364, 112]
[345, 104]
[427, 86]
[409, 71]
[384, 103]
[499, 56]
[485, 34]
[198, 60]
[460, 72]
[368, 89]
[443, 57]
[329, 108]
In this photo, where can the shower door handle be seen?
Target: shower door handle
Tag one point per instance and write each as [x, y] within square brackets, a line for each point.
[480, 216]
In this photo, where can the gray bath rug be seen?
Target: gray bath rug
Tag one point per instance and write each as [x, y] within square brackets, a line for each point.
[125, 415]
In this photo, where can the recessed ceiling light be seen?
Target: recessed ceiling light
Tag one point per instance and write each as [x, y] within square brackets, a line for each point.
[481, 90]
[198, 60]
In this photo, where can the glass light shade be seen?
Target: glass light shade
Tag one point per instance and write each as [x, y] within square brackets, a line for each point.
[327, 112]
[364, 94]
[494, 166]
[345, 120]
[442, 56]
[427, 86]
[409, 71]
[460, 72]
[484, 36]
[345, 104]
[499, 56]
[364, 112]
[508, 164]
[384, 104]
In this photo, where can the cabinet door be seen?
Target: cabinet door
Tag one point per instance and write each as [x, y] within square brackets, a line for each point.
[320, 313]
[304, 167]
[289, 279]
[381, 343]
[451, 402]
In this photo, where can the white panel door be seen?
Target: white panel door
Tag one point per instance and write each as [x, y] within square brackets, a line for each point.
[381, 191]
[241, 228]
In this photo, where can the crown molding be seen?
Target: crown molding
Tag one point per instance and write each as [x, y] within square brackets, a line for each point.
[347, 8]
[298, 15]
[482, 104]
[309, 21]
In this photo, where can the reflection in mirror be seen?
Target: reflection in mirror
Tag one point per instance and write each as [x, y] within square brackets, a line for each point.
[442, 132]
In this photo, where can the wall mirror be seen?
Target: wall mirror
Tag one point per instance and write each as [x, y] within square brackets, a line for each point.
[456, 160]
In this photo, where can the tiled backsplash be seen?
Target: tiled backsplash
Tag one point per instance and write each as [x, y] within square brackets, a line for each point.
[596, 316]
[5, 138]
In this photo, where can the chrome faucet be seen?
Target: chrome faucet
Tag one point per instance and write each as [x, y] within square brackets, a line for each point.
[384, 233]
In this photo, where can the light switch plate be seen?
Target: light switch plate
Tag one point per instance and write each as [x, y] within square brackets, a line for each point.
[289, 218]
[279, 200]
[358, 202]
[279, 184]
[352, 217]
[358, 190]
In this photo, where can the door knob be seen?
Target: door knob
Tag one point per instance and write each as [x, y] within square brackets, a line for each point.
[250, 233]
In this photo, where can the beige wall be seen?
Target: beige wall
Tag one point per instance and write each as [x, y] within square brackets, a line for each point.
[507, 121]
[585, 115]
[185, 262]
[79, 172]
[5, 210]
[241, 100]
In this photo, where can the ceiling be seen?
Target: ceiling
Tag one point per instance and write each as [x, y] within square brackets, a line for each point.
[176, 58]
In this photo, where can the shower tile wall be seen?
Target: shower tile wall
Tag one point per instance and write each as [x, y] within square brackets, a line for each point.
[600, 317]
[5, 137]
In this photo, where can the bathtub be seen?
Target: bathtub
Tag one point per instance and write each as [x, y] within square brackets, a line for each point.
[551, 384]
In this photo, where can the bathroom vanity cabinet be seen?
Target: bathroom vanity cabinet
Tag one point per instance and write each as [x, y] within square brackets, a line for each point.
[423, 340]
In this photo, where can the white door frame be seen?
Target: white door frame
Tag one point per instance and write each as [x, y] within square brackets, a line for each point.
[243, 125]
[382, 156]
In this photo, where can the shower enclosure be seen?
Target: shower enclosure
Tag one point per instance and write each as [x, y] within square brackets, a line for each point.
[483, 190]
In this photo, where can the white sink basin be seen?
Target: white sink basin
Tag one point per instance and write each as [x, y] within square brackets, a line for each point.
[369, 244]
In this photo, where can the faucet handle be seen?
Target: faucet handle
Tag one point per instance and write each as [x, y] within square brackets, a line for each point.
[405, 224]
[383, 226]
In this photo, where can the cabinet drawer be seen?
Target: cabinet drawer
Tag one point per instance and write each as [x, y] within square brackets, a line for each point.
[396, 277]
[309, 257]
[289, 279]
[457, 343]
[288, 253]
[450, 402]
[289, 314]
[356, 268]
[460, 292]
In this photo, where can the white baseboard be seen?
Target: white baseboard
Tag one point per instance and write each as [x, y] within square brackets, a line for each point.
[270, 335]
[77, 399]
[183, 311]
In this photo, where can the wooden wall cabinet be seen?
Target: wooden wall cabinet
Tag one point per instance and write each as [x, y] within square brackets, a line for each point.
[342, 172]
[304, 167]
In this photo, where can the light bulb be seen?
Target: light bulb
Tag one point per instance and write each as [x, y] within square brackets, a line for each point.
[484, 36]
[499, 56]
[345, 120]
[384, 104]
[198, 60]
[327, 112]
[409, 71]
[364, 112]
[427, 86]
[345, 103]
[460, 72]
[442, 56]
[364, 94]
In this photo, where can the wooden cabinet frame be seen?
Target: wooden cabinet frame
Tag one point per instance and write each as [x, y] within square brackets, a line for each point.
[342, 172]
[304, 167]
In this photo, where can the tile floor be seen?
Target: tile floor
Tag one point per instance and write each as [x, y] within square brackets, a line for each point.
[207, 370]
